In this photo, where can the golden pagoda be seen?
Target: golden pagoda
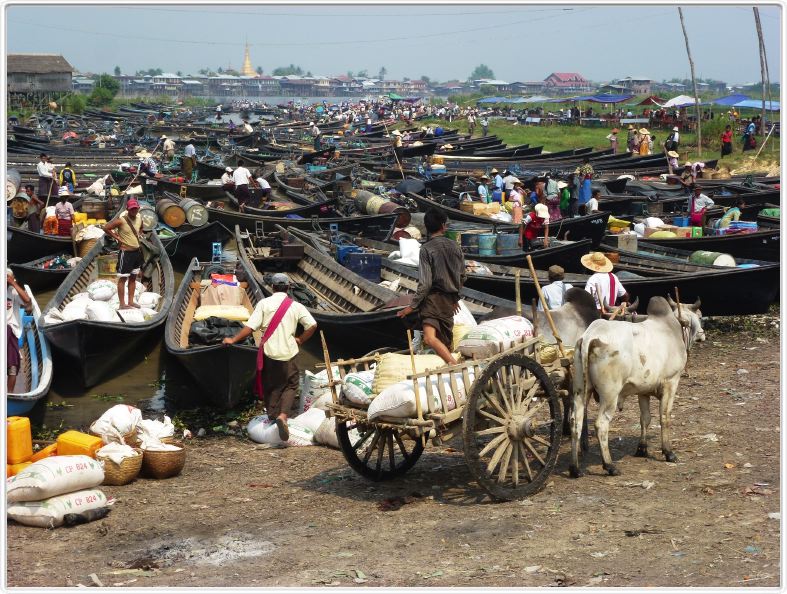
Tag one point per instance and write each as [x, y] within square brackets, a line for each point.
[248, 69]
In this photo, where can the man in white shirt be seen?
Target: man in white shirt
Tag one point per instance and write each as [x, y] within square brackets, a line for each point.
[265, 187]
[227, 184]
[278, 376]
[592, 205]
[46, 177]
[483, 189]
[16, 297]
[241, 177]
[555, 292]
[247, 127]
[605, 286]
[189, 161]
[168, 148]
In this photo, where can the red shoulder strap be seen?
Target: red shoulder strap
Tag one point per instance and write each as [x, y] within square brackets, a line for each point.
[612, 290]
[278, 316]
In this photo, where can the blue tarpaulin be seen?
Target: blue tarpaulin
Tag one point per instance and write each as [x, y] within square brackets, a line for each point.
[730, 99]
[757, 104]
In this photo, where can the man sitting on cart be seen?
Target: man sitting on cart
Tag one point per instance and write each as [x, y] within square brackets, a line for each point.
[441, 268]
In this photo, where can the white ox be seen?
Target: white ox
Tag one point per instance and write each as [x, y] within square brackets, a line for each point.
[617, 359]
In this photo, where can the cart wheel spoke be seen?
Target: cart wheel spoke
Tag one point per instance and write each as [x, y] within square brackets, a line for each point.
[533, 451]
[492, 399]
[380, 452]
[501, 476]
[521, 448]
[378, 467]
[391, 458]
[540, 440]
[492, 417]
[497, 456]
[371, 447]
[361, 441]
[493, 444]
[490, 431]
[515, 464]
[400, 443]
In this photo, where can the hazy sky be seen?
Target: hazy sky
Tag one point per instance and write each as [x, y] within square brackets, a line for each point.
[519, 42]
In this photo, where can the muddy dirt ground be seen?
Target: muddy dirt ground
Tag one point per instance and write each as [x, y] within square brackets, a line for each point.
[243, 515]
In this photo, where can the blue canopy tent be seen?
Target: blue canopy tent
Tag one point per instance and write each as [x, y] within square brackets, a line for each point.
[730, 99]
[757, 104]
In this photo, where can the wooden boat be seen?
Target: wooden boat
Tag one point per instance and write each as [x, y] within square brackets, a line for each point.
[23, 244]
[195, 191]
[224, 374]
[37, 277]
[93, 350]
[35, 372]
[759, 245]
[322, 207]
[349, 309]
[195, 242]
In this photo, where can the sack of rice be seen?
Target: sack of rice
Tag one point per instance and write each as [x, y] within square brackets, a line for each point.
[101, 290]
[49, 512]
[358, 387]
[326, 433]
[398, 400]
[100, 311]
[314, 386]
[494, 336]
[394, 368]
[75, 310]
[54, 476]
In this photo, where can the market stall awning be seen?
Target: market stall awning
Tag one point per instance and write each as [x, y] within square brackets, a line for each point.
[607, 98]
[653, 100]
[680, 101]
[731, 99]
[757, 104]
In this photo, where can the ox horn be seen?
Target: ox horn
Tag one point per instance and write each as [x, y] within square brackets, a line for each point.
[696, 305]
[671, 301]
[634, 304]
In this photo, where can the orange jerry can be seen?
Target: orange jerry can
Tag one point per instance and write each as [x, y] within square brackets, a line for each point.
[75, 443]
[19, 440]
[50, 450]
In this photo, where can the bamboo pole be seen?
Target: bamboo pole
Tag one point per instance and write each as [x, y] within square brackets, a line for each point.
[762, 67]
[694, 84]
[418, 410]
[327, 357]
[534, 310]
[546, 307]
[517, 292]
[762, 145]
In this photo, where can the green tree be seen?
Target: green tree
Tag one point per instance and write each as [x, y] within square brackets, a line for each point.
[100, 97]
[288, 70]
[362, 74]
[117, 70]
[105, 81]
[481, 71]
[259, 70]
[382, 73]
[349, 74]
[75, 104]
[179, 73]
[426, 79]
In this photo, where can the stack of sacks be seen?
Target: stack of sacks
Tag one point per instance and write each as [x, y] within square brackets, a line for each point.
[494, 336]
[302, 429]
[314, 389]
[46, 491]
[101, 303]
[398, 400]
[116, 423]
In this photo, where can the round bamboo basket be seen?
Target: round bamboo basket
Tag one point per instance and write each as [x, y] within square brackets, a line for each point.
[123, 473]
[161, 465]
[85, 246]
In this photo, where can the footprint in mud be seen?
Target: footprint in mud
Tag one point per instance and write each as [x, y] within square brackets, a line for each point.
[209, 551]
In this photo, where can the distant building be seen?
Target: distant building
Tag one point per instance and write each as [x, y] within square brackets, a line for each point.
[636, 85]
[528, 87]
[566, 82]
[38, 73]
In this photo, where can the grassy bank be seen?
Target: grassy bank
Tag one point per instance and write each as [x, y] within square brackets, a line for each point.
[560, 137]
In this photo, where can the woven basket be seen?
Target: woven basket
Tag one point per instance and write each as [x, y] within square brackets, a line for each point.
[129, 438]
[161, 465]
[84, 246]
[123, 473]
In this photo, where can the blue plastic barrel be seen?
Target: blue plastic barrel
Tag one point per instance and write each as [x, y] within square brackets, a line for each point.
[470, 243]
[508, 244]
[497, 196]
[487, 244]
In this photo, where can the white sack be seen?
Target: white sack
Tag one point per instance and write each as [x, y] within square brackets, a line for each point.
[117, 452]
[54, 476]
[100, 311]
[49, 512]
[398, 400]
[357, 387]
[116, 422]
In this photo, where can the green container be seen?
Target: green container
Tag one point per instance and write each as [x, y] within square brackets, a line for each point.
[711, 258]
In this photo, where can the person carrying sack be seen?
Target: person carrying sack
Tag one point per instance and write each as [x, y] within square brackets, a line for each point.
[277, 374]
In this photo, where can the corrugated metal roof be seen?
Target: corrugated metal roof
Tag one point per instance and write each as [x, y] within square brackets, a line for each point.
[37, 63]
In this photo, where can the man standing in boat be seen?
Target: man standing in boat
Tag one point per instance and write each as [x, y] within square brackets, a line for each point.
[441, 268]
[125, 229]
[276, 383]
[242, 178]
[16, 297]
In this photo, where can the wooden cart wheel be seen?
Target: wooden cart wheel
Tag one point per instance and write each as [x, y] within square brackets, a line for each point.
[375, 453]
[512, 424]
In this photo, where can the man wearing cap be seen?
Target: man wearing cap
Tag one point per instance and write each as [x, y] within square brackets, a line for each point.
[169, 148]
[603, 284]
[442, 275]
[126, 229]
[673, 140]
[484, 126]
[397, 139]
[483, 190]
[498, 179]
[532, 224]
[555, 292]
[630, 148]
[278, 316]
[227, 184]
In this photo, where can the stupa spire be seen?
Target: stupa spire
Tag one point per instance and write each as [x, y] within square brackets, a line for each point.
[248, 69]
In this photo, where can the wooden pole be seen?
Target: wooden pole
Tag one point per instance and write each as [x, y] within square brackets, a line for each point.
[534, 309]
[546, 307]
[327, 357]
[517, 292]
[418, 411]
[762, 145]
[762, 68]
[694, 84]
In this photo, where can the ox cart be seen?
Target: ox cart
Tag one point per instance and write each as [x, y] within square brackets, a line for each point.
[507, 408]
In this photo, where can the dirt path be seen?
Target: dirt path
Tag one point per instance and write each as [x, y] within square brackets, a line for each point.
[241, 515]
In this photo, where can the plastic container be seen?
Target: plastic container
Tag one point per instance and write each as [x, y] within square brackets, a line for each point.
[487, 244]
[50, 450]
[74, 443]
[508, 244]
[469, 243]
[343, 251]
[369, 266]
[680, 221]
[196, 214]
[497, 196]
[15, 469]
[19, 440]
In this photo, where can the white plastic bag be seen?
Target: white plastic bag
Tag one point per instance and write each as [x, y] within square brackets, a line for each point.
[313, 386]
[151, 431]
[116, 422]
[131, 315]
[398, 400]
[75, 310]
[326, 433]
[101, 290]
[309, 421]
[117, 452]
[464, 316]
[54, 476]
[148, 299]
[49, 512]
[263, 430]
[410, 250]
[490, 337]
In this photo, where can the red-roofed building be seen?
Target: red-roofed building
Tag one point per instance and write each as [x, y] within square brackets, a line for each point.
[566, 82]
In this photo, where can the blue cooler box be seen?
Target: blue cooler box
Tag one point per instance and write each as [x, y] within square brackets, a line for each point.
[366, 265]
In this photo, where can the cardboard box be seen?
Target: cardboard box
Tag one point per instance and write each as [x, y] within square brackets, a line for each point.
[672, 228]
[696, 231]
[476, 208]
[684, 232]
